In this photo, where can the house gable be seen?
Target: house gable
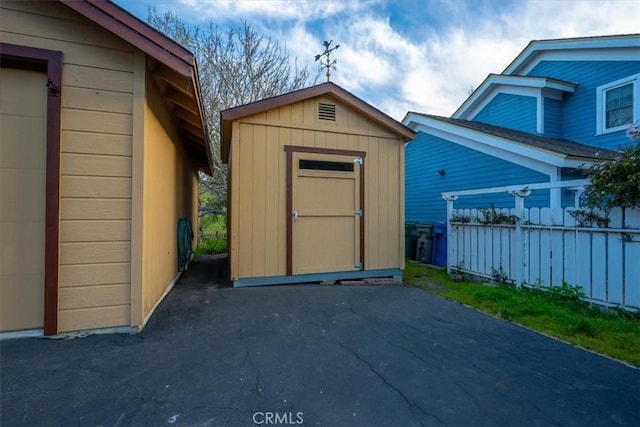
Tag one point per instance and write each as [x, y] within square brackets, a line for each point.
[580, 110]
[569, 78]
[517, 112]
[309, 107]
[322, 113]
[527, 93]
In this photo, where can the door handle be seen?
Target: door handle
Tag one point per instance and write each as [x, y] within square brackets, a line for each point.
[295, 215]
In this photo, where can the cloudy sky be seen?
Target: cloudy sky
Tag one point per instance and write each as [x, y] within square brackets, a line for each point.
[409, 55]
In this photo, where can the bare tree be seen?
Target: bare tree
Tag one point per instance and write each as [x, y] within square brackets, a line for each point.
[235, 66]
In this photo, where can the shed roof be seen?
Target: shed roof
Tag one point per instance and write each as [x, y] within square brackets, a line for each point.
[328, 88]
[172, 66]
[560, 146]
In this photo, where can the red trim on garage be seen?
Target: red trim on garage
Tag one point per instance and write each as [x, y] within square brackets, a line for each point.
[50, 62]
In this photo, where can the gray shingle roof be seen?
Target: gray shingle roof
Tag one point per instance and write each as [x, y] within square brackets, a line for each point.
[561, 146]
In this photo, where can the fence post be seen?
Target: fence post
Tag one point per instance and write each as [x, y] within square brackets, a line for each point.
[520, 252]
[450, 247]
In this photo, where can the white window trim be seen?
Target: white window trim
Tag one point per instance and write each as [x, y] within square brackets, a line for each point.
[600, 104]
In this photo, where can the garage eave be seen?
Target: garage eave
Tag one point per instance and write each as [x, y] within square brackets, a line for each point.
[175, 65]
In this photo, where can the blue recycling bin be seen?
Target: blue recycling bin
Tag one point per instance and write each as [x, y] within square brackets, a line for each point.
[439, 254]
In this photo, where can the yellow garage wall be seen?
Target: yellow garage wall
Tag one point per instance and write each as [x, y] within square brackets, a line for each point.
[170, 192]
[258, 181]
[103, 81]
[95, 217]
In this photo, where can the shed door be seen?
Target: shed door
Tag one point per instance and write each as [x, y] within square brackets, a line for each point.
[326, 213]
[23, 110]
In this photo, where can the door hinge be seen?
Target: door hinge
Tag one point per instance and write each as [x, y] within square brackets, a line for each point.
[358, 266]
[358, 212]
[358, 161]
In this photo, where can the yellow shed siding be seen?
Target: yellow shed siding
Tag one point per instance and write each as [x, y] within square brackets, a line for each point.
[95, 209]
[170, 192]
[258, 195]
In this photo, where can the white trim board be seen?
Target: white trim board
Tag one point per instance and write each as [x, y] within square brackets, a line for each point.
[609, 48]
[524, 66]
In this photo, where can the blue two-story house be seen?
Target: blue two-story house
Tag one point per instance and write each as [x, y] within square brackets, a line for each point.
[559, 106]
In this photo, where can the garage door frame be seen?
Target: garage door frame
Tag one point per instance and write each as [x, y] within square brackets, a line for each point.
[49, 62]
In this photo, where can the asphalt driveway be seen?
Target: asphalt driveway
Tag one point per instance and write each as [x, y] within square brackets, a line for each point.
[313, 355]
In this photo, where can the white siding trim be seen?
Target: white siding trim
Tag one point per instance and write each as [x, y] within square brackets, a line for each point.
[555, 194]
[605, 52]
[519, 154]
[507, 149]
[540, 113]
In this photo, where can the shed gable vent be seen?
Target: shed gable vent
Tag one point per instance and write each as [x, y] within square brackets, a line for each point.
[326, 112]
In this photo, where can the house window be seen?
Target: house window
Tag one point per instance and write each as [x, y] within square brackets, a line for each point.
[618, 104]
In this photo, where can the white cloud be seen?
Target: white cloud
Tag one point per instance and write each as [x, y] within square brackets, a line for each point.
[270, 9]
[559, 19]
[438, 73]
[431, 65]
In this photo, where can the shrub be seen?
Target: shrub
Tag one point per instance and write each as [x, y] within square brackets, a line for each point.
[616, 182]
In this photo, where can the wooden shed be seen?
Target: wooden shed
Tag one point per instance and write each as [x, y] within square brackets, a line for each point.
[316, 188]
[103, 136]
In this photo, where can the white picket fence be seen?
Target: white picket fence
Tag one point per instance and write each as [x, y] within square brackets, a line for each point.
[546, 248]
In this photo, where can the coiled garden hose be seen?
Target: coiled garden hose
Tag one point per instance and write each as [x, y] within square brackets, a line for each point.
[185, 237]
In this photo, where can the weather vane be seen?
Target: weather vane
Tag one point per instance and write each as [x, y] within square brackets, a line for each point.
[328, 63]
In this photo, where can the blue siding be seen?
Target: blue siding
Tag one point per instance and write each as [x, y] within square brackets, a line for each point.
[569, 174]
[579, 108]
[510, 111]
[464, 169]
[552, 118]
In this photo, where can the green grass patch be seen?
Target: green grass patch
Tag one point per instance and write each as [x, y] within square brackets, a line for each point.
[559, 313]
[211, 246]
[214, 235]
